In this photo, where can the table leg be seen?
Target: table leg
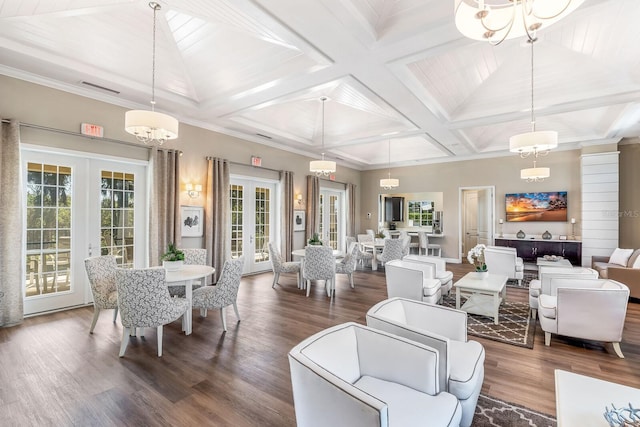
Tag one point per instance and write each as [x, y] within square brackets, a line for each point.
[187, 318]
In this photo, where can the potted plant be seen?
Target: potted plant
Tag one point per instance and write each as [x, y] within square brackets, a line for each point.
[315, 240]
[173, 259]
[476, 257]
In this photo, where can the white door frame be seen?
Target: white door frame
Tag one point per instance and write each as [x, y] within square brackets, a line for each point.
[81, 237]
[490, 217]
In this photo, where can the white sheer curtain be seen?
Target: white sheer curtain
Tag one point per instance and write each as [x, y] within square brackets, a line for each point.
[164, 212]
[11, 261]
[216, 213]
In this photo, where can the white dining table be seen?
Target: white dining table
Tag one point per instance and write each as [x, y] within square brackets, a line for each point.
[185, 276]
[301, 253]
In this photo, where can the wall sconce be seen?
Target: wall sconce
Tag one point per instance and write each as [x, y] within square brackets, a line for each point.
[193, 191]
[299, 200]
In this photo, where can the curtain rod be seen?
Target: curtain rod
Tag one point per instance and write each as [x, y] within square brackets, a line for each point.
[269, 169]
[68, 132]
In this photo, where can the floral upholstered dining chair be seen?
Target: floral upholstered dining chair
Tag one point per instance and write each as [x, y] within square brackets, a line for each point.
[144, 302]
[192, 256]
[101, 271]
[224, 293]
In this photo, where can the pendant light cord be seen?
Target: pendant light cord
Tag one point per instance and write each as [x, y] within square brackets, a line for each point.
[533, 117]
[155, 7]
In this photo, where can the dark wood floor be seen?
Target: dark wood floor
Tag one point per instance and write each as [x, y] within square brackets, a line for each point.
[52, 372]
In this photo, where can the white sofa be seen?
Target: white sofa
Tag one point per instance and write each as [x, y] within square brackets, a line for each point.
[545, 273]
[352, 375]
[504, 260]
[591, 309]
[445, 277]
[413, 280]
[445, 329]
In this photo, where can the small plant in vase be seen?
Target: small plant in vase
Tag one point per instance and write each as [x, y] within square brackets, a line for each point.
[315, 240]
[173, 259]
[476, 257]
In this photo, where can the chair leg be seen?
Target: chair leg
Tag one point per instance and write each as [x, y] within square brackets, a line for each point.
[547, 338]
[96, 312]
[224, 319]
[616, 348]
[115, 314]
[275, 279]
[235, 307]
[160, 341]
[125, 341]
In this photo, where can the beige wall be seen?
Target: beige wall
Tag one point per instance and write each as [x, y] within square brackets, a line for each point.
[48, 107]
[43, 106]
[503, 173]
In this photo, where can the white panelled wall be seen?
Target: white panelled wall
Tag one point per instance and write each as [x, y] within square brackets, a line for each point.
[600, 204]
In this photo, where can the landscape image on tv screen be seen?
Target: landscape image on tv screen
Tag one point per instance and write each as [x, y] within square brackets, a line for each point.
[549, 206]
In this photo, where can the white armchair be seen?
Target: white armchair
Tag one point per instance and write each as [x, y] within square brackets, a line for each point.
[584, 308]
[445, 277]
[541, 285]
[413, 280]
[352, 375]
[444, 329]
[504, 260]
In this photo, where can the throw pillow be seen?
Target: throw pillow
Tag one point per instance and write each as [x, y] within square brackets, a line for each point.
[620, 256]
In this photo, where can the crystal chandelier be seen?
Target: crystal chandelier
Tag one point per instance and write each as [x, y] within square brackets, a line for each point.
[499, 20]
[322, 167]
[151, 126]
[389, 183]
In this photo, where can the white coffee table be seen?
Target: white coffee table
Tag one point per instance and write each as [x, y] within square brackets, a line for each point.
[484, 295]
[557, 263]
[581, 400]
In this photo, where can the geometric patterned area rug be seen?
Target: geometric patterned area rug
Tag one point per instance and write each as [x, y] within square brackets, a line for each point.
[515, 326]
[492, 412]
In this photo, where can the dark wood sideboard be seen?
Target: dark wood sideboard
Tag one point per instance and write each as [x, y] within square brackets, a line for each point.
[530, 249]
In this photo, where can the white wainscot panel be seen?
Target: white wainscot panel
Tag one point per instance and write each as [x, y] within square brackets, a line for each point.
[599, 178]
[600, 197]
[600, 188]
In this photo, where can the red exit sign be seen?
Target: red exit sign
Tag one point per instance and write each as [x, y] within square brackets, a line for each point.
[92, 130]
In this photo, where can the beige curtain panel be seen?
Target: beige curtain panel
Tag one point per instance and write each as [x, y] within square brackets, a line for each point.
[286, 179]
[313, 205]
[11, 262]
[164, 212]
[351, 210]
[216, 213]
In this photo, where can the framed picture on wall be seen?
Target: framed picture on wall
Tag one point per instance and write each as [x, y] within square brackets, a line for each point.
[192, 218]
[298, 221]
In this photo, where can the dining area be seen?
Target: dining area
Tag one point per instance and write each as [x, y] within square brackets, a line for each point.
[157, 296]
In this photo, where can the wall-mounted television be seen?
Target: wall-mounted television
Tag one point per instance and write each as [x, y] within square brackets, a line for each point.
[548, 206]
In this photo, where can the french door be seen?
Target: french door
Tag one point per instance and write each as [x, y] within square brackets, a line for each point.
[253, 221]
[76, 207]
[332, 217]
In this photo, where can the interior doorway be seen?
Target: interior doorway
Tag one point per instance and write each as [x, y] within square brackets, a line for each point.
[476, 217]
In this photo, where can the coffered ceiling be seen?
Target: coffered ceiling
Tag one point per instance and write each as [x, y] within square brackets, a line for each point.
[393, 70]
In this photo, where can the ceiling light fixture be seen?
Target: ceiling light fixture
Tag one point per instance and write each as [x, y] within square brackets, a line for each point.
[535, 174]
[389, 183]
[499, 20]
[322, 167]
[149, 126]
